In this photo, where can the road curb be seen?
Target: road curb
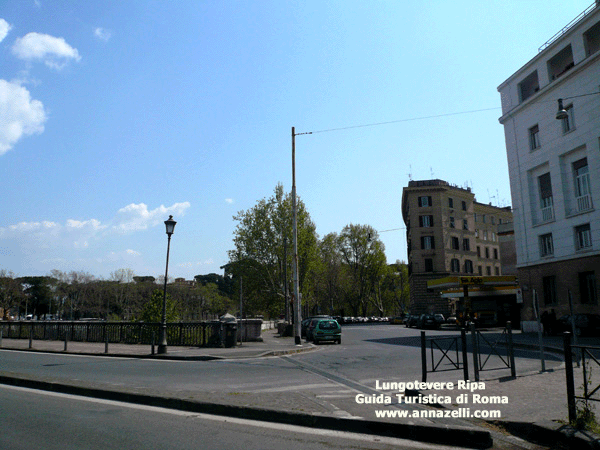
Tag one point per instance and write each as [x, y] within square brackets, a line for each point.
[549, 433]
[444, 435]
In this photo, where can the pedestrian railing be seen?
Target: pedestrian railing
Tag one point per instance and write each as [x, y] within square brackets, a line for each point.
[446, 356]
[589, 358]
[506, 359]
[202, 334]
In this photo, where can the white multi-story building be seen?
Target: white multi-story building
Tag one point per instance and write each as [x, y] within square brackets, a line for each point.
[554, 167]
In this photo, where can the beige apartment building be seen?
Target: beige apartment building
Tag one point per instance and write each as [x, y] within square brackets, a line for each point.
[450, 234]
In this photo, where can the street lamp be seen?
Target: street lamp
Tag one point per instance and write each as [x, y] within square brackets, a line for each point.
[562, 112]
[162, 345]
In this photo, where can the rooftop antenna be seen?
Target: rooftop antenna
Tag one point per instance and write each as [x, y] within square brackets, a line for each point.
[410, 172]
[431, 169]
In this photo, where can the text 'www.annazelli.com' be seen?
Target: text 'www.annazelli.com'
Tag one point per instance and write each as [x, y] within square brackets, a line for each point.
[460, 413]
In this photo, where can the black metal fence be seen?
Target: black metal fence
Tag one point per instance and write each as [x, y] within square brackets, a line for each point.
[201, 334]
[590, 355]
[446, 355]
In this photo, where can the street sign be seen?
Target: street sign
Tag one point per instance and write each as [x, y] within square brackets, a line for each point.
[468, 281]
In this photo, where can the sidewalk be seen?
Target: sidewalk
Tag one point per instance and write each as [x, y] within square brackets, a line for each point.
[535, 404]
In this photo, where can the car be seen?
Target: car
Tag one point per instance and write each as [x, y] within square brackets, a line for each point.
[396, 320]
[326, 330]
[427, 321]
[585, 325]
[306, 322]
[439, 318]
[411, 320]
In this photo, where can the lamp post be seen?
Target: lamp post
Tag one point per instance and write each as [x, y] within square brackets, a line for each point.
[162, 345]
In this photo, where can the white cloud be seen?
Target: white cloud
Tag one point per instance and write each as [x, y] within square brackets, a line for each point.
[229, 200]
[4, 29]
[53, 51]
[102, 34]
[136, 217]
[132, 252]
[19, 115]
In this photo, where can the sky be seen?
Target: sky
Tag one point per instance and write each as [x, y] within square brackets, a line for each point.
[115, 115]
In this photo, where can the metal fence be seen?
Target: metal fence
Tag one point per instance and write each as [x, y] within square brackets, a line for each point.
[201, 334]
[446, 355]
[590, 356]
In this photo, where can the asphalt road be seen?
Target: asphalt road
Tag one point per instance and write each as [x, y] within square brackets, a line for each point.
[325, 381]
[44, 420]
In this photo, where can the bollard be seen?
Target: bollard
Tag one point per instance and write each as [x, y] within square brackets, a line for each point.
[465, 358]
[423, 357]
[1, 330]
[475, 351]
[570, 378]
[31, 336]
[511, 351]
[153, 337]
[66, 339]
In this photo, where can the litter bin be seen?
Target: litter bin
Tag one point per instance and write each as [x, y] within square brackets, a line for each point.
[230, 334]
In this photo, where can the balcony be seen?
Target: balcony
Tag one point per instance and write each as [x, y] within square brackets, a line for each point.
[548, 213]
[584, 203]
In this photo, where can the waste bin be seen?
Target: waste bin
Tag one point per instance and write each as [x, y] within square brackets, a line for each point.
[230, 334]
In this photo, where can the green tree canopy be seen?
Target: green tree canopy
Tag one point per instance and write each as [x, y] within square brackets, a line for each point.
[263, 252]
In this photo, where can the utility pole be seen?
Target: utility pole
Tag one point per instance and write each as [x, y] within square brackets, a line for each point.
[297, 331]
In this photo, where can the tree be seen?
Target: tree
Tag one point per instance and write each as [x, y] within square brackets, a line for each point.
[11, 293]
[260, 255]
[152, 312]
[364, 254]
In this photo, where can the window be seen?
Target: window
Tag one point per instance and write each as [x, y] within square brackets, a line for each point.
[592, 40]
[560, 63]
[534, 137]
[493, 236]
[483, 218]
[529, 86]
[464, 205]
[549, 287]
[495, 253]
[428, 265]
[587, 287]
[583, 237]
[546, 245]
[497, 269]
[427, 243]
[487, 253]
[488, 271]
[454, 243]
[485, 235]
[468, 266]
[466, 245]
[582, 185]
[452, 222]
[478, 251]
[450, 202]
[480, 270]
[455, 265]
[465, 224]
[545, 185]
[568, 123]
[426, 221]
[425, 201]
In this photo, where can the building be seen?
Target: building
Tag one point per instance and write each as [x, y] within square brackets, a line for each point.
[554, 168]
[448, 233]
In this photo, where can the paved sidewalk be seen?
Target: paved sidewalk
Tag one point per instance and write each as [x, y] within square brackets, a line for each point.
[532, 405]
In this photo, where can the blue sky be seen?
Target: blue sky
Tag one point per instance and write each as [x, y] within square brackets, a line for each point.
[115, 114]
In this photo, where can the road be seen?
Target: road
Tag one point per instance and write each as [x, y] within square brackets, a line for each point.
[325, 381]
[38, 419]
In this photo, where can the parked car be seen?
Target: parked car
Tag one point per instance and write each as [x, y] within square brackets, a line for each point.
[327, 330]
[411, 320]
[427, 321]
[439, 318]
[585, 324]
[306, 322]
[396, 320]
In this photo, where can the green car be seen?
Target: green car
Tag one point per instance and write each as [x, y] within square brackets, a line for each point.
[327, 330]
